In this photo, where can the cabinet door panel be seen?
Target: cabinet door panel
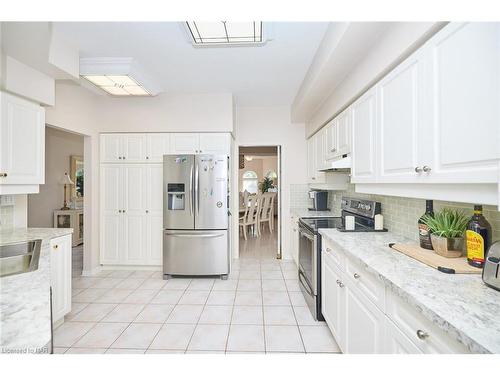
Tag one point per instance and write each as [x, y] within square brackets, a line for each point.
[343, 133]
[333, 300]
[134, 147]
[363, 135]
[134, 189]
[364, 325]
[22, 141]
[134, 232]
[184, 143]
[111, 147]
[400, 122]
[397, 342]
[464, 65]
[213, 143]
[155, 239]
[60, 269]
[331, 138]
[112, 220]
[158, 145]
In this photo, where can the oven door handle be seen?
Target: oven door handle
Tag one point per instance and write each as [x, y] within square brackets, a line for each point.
[305, 284]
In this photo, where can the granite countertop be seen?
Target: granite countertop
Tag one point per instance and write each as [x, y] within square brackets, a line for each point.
[304, 212]
[462, 305]
[28, 234]
[25, 298]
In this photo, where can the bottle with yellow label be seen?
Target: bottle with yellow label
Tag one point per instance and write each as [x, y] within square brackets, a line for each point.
[478, 238]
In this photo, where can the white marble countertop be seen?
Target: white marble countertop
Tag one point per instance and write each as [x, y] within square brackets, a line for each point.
[25, 298]
[304, 212]
[462, 305]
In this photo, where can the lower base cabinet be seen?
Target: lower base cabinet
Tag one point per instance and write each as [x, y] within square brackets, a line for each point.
[362, 324]
[60, 276]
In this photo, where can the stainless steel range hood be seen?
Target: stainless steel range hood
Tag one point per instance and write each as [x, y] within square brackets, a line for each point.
[343, 164]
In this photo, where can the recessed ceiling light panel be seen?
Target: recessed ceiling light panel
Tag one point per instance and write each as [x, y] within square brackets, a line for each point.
[118, 76]
[225, 33]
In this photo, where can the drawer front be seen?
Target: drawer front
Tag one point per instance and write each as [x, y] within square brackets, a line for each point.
[369, 284]
[333, 253]
[422, 332]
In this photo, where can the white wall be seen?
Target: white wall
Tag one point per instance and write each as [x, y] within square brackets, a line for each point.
[398, 41]
[59, 146]
[81, 111]
[270, 126]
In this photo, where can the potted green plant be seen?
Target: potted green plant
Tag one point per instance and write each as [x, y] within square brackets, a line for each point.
[266, 184]
[447, 229]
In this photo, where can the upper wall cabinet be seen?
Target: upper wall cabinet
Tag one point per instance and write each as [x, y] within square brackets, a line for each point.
[437, 117]
[463, 89]
[22, 142]
[402, 139]
[126, 148]
[315, 155]
[158, 144]
[200, 143]
[363, 135]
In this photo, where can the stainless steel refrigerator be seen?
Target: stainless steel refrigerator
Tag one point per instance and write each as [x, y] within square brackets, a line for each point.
[195, 215]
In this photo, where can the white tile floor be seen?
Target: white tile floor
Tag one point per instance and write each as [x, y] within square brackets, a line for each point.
[258, 309]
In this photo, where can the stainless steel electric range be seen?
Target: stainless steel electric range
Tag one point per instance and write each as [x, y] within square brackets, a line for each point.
[364, 212]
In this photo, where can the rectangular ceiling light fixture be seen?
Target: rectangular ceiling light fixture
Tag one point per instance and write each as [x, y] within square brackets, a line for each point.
[117, 76]
[225, 33]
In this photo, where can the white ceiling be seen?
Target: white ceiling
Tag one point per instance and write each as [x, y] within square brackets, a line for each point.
[266, 75]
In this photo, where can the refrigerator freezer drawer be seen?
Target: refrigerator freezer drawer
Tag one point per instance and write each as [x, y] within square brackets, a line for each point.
[195, 253]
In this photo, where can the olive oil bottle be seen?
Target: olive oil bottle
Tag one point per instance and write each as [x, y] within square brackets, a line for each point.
[478, 238]
[424, 233]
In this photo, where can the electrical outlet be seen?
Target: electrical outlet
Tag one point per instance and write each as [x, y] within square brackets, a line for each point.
[6, 200]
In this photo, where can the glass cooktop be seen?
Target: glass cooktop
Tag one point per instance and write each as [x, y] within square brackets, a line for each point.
[317, 223]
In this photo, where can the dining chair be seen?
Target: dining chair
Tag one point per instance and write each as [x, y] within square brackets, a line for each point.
[251, 216]
[267, 211]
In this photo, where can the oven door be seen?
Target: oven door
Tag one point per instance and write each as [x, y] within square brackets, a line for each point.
[307, 260]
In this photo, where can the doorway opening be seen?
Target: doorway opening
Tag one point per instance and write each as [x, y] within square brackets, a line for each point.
[259, 202]
[59, 203]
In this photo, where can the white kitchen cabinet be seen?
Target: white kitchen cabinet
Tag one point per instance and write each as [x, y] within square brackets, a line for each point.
[60, 276]
[402, 137]
[315, 148]
[185, 143]
[463, 92]
[154, 215]
[123, 148]
[22, 145]
[343, 144]
[396, 342]
[215, 143]
[333, 299]
[158, 144]
[363, 138]
[200, 143]
[331, 138]
[321, 150]
[132, 214]
[364, 324]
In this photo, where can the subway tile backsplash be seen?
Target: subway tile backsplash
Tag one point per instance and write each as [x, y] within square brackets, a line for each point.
[400, 214]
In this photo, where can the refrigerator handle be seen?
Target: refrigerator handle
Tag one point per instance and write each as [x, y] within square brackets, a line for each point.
[191, 190]
[197, 188]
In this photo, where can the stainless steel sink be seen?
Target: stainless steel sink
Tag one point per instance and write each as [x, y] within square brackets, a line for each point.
[19, 257]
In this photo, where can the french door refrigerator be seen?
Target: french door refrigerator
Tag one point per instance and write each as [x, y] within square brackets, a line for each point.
[195, 215]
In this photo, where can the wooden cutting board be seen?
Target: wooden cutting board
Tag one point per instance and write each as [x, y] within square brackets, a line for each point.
[429, 257]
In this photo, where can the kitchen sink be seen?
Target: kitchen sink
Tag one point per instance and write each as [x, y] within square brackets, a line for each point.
[19, 258]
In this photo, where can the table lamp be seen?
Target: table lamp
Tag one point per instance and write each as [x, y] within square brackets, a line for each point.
[66, 181]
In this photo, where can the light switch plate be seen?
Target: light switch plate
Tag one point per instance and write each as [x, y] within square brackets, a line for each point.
[6, 200]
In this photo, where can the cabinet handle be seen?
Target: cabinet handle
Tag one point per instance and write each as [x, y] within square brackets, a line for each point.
[426, 168]
[56, 247]
[147, 157]
[123, 157]
[341, 284]
[328, 249]
[356, 276]
[147, 211]
[3, 174]
[123, 211]
[418, 169]
[119, 157]
[422, 335]
[333, 149]
[314, 178]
